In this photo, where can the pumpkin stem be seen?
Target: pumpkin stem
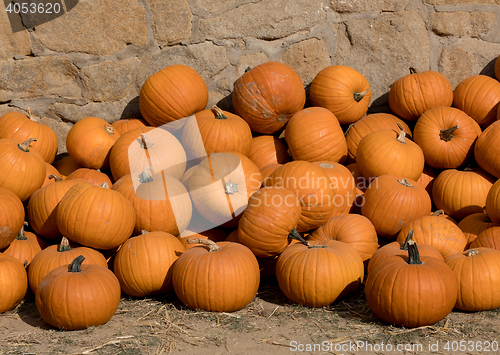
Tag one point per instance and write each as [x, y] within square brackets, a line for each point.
[295, 235]
[409, 238]
[21, 235]
[358, 96]
[230, 188]
[64, 245]
[316, 246]
[55, 177]
[30, 115]
[76, 264]
[108, 128]
[206, 242]
[145, 176]
[248, 69]
[104, 185]
[438, 213]
[413, 255]
[218, 113]
[405, 182]
[144, 231]
[447, 134]
[402, 134]
[472, 252]
[281, 118]
[413, 70]
[25, 146]
[144, 141]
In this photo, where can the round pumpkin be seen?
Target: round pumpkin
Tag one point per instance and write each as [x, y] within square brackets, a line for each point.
[474, 224]
[11, 217]
[318, 273]
[66, 165]
[80, 288]
[25, 247]
[94, 176]
[361, 183]
[342, 90]
[51, 174]
[489, 238]
[13, 282]
[125, 125]
[426, 180]
[493, 202]
[266, 150]
[268, 170]
[175, 92]
[487, 151]
[216, 277]
[216, 234]
[413, 94]
[267, 95]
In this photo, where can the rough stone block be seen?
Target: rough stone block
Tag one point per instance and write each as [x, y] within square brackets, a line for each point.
[462, 23]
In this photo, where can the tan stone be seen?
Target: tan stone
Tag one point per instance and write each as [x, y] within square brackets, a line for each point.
[12, 41]
[307, 58]
[368, 6]
[108, 111]
[249, 61]
[38, 77]
[108, 81]
[101, 27]
[213, 6]
[462, 2]
[171, 21]
[462, 23]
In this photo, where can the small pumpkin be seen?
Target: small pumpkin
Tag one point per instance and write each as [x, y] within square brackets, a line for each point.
[11, 217]
[266, 150]
[25, 247]
[50, 171]
[94, 176]
[426, 180]
[13, 282]
[487, 150]
[493, 202]
[66, 165]
[473, 225]
[216, 234]
[488, 238]
[124, 125]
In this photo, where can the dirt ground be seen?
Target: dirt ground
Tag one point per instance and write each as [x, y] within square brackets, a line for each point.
[269, 325]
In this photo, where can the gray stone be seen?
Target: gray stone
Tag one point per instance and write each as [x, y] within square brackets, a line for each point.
[249, 61]
[61, 130]
[4, 108]
[468, 57]
[307, 58]
[37, 77]
[108, 81]
[171, 21]
[266, 19]
[12, 41]
[101, 27]
[368, 6]
[462, 2]
[462, 23]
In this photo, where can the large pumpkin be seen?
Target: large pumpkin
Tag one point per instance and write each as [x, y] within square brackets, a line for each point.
[493, 202]
[488, 238]
[13, 282]
[487, 150]
[175, 92]
[314, 134]
[267, 95]
[51, 174]
[11, 217]
[342, 90]
[266, 150]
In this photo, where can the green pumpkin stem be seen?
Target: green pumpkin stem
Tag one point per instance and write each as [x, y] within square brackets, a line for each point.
[219, 114]
[21, 235]
[413, 70]
[145, 176]
[358, 96]
[25, 146]
[409, 238]
[295, 235]
[248, 69]
[205, 242]
[64, 245]
[447, 134]
[413, 255]
[76, 264]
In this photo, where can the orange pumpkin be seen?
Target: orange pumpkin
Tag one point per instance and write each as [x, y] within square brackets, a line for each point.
[13, 282]
[426, 180]
[268, 170]
[11, 217]
[474, 224]
[125, 125]
[493, 202]
[216, 234]
[487, 149]
[266, 150]
[488, 238]
[497, 68]
[66, 165]
[95, 177]
[50, 174]
[25, 247]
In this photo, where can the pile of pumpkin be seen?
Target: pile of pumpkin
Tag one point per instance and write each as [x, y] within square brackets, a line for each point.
[209, 202]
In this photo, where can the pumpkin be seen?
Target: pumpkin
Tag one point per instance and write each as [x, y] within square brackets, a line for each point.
[25, 247]
[90, 295]
[56, 255]
[368, 124]
[161, 202]
[143, 265]
[11, 217]
[390, 203]
[94, 176]
[109, 216]
[474, 224]
[50, 173]
[270, 217]
[385, 152]
[125, 125]
[411, 291]
[42, 207]
[268, 170]
[216, 234]
[497, 68]
[460, 193]
[478, 96]
[426, 180]
[216, 277]
[215, 131]
[486, 150]
[266, 150]
[489, 238]
[143, 147]
[267, 95]
[342, 90]
[446, 135]
[174, 92]
[361, 182]
[413, 94]
[13, 282]
[318, 273]
[438, 232]
[18, 126]
[26, 167]
[493, 202]
[400, 247]
[313, 188]
[353, 229]
[66, 165]
[477, 270]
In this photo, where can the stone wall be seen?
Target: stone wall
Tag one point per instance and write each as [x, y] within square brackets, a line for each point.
[93, 60]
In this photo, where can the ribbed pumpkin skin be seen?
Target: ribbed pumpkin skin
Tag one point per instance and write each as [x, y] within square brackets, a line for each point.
[91, 175]
[42, 207]
[143, 265]
[90, 297]
[489, 238]
[13, 282]
[389, 204]
[413, 94]
[334, 88]
[353, 229]
[25, 247]
[493, 202]
[478, 276]
[123, 126]
[18, 126]
[50, 170]
[461, 193]
[268, 95]
[478, 96]
[474, 224]
[314, 134]
[319, 275]
[24, 172]
[11, 217]
[442, 153]
[382, 153]
[313, 188]
[368, 124]
[175, 92]
[426, 180]
[216, 234]
[438, 232]
[66, 165]
[487, 151]
[51, 258]
[266, 150]
[109, 217]
[270, 216]
[219, 281]
[394, 291]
